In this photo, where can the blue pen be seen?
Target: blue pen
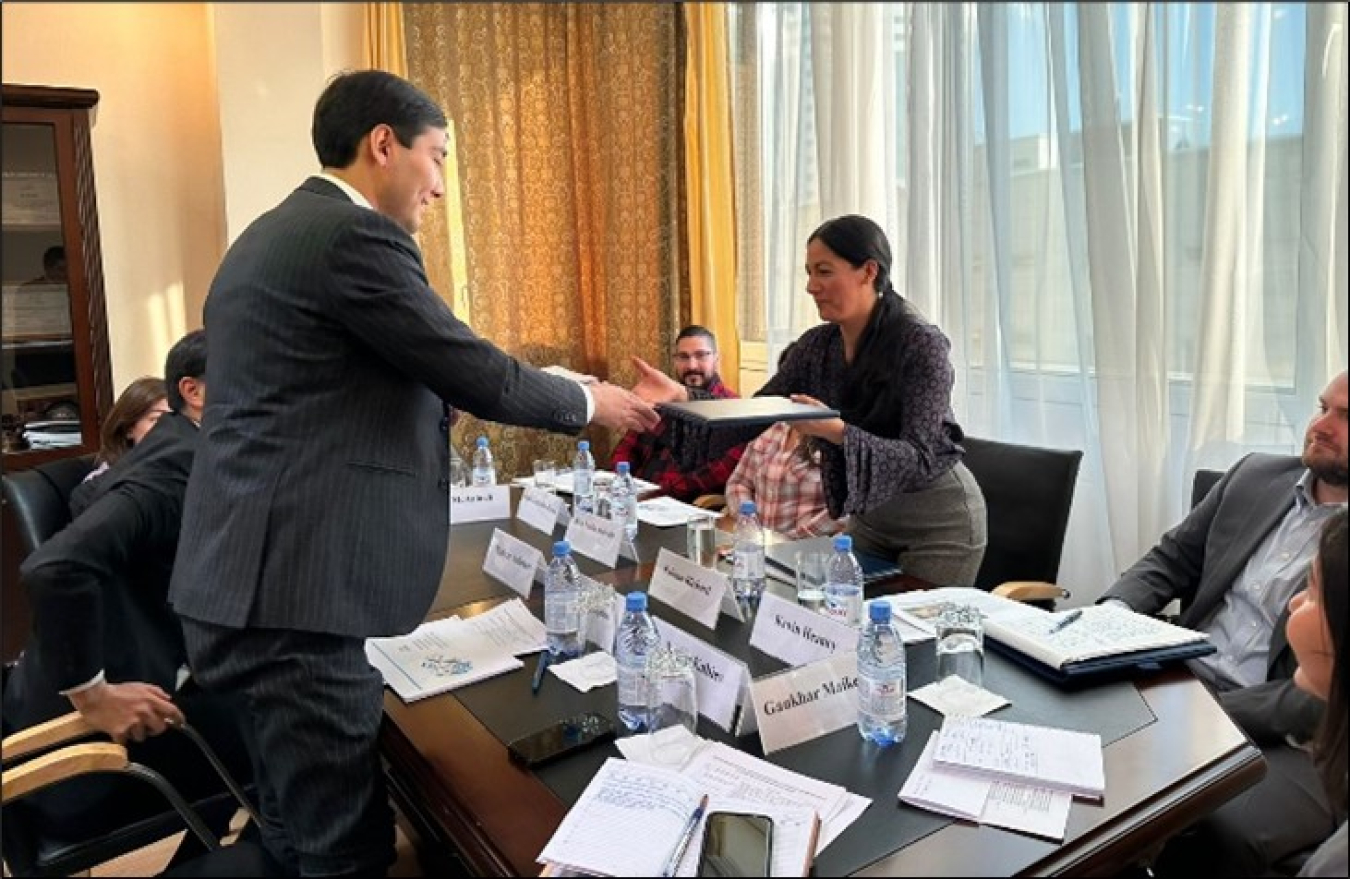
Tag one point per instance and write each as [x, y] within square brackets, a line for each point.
[1071, 617]
[686, 835]
[539, 672]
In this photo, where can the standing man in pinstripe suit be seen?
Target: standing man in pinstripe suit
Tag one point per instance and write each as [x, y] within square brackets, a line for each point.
[316, 512]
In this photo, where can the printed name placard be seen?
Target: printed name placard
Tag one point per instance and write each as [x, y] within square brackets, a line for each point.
[512, 561]
[799, 704]
[798, 635]
[595, 537]
[484, 503]
[693, 590]
[718, 677]
[539, 509]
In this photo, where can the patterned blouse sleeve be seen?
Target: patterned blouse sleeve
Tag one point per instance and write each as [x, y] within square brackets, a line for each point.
[877, 470]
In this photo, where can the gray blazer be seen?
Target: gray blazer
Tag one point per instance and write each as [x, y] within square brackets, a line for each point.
[1199, 560]
[319, 497]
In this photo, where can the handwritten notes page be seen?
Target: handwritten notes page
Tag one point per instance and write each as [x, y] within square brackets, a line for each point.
[437, 657]
[626, 822]
[510, 626]
[795, 831]
[1041, 755]
[665, 512]
[1102, 630]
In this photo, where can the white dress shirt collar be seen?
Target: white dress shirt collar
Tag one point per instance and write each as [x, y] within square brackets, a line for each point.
[350, 191]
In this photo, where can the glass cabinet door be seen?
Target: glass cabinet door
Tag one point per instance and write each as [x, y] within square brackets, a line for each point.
[40, 401]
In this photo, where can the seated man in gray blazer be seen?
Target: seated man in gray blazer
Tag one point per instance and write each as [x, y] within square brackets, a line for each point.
[1234, 563]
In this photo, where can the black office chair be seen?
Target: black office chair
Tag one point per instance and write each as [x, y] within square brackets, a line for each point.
[1028, 492]
[1204, 480]
[40, 497]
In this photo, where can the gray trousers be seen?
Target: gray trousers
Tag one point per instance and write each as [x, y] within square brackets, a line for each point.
[938, 533]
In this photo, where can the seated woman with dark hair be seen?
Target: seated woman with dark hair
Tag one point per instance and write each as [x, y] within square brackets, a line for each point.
[892, 463]
[130, 419]
[1317, 628]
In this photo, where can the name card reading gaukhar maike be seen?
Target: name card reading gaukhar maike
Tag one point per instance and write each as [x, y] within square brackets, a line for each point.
[693, 590]
[718, 677]
[482, 503]
[801, 704]
[512, 561]
[596, 537]
[798, 635]
[539, 509]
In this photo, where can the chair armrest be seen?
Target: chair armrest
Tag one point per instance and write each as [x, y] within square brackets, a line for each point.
[59, 765]
[46, 735]
[1030, 590]
[711, 502]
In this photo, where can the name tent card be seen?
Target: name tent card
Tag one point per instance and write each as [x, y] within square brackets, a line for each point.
[512, 561]
[718, 677]
[693, 590]
[797, 635]
[804, 703]
[484, 503]
[539, 509]
[596, 538]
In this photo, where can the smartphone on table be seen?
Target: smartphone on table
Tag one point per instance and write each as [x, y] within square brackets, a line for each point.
[560, 738]
[736, 844]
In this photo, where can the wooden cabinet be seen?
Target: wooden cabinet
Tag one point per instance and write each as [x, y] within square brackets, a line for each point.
[55, 381]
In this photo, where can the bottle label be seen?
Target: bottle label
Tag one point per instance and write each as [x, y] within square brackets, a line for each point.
[883, 700]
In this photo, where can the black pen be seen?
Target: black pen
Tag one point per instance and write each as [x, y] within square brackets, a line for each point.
[1071, 617]
[539, 672]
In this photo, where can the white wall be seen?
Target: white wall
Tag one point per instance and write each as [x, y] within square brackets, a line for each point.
[156, 143]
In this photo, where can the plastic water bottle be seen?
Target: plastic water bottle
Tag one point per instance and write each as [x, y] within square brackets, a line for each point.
[583, 479]
[747, 576]
[562, 604]
[844, 583]
[636, 641]
[484, 471]
[882, 713]
[623, 499]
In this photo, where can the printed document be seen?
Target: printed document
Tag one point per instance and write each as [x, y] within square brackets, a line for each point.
[437, 657]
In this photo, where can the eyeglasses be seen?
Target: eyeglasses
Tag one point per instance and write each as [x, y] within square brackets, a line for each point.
[684, 357]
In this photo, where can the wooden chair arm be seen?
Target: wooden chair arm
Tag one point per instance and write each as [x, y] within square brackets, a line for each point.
[45, 735]
[1030, 590]
[711, 502]
[59, 765]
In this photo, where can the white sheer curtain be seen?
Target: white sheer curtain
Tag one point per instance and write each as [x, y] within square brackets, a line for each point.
[1129, 218]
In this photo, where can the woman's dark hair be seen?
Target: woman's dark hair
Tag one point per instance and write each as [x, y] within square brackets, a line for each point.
[857, 239]
[1331, 742]
[355, 102]
[136, 400]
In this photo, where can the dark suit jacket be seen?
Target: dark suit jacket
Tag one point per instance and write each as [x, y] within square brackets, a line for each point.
[98, 588]
[1198, 562]
[319, 500]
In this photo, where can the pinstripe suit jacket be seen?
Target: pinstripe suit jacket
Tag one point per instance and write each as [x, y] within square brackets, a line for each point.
[1200, 559]
[318, 501]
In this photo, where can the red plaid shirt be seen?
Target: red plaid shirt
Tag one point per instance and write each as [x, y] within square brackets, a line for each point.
[650, 457]
[788, 494]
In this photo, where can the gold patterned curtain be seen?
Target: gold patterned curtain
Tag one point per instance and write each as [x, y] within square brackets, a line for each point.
[566, 124]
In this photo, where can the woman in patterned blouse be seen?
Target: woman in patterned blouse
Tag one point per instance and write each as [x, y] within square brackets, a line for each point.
[892, 463]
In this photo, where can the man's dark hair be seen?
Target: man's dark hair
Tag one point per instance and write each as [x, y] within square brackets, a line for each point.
[355, 102]
[695, 331]
[53, 256]
[186, 359]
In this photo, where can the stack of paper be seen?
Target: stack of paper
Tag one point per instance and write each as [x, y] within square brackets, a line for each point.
[439, 656]
[1013, 775]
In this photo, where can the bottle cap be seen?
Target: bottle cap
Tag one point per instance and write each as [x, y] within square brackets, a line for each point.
[879, 612]
[482, 442]
[562, 548]
[621, 468]
[843, 543]
[747, 508]
[636, 601]
[584, 446]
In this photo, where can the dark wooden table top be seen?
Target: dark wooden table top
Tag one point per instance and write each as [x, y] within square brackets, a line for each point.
[452, 778]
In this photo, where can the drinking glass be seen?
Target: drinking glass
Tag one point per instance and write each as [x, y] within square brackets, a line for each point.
[598, 621]
[960, 643]
[602, 484]
[459, 473]
[811, 578]
[672, 705]
[700, 535]
[545, 476]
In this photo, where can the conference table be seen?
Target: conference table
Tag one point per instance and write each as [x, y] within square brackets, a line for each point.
[1170, 752]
